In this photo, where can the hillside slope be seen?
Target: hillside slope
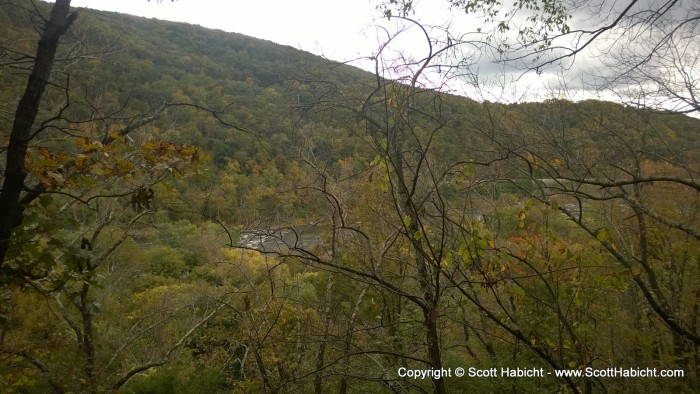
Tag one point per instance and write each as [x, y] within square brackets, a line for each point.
[208, 212]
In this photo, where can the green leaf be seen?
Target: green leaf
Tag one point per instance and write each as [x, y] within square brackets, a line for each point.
[577, 298]
[602, 235]
[636, 270]
[45, 200]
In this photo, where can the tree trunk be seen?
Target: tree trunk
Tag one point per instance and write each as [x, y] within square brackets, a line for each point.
[407, 209]
[433, 342]
[343, 388]
[88, 343]
[320, 359]
[25, 116]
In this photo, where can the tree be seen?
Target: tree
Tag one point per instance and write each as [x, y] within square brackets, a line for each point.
[647, 49]
[72, 168]
[660, 72]
[91, 343]
[412, 232]
[631, 193]
[23, 125]
[622, 160]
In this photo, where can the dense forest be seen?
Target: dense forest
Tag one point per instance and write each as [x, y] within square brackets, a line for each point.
[208, 212]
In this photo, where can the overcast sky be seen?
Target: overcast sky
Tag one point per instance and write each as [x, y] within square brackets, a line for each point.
[345, 30]
[334, 28]
[341, 30]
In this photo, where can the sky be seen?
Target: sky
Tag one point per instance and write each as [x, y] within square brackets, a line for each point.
[341, 30]
[346, 30]
[336, 29]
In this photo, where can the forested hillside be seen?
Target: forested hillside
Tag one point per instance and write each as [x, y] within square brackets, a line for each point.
[209, 212]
